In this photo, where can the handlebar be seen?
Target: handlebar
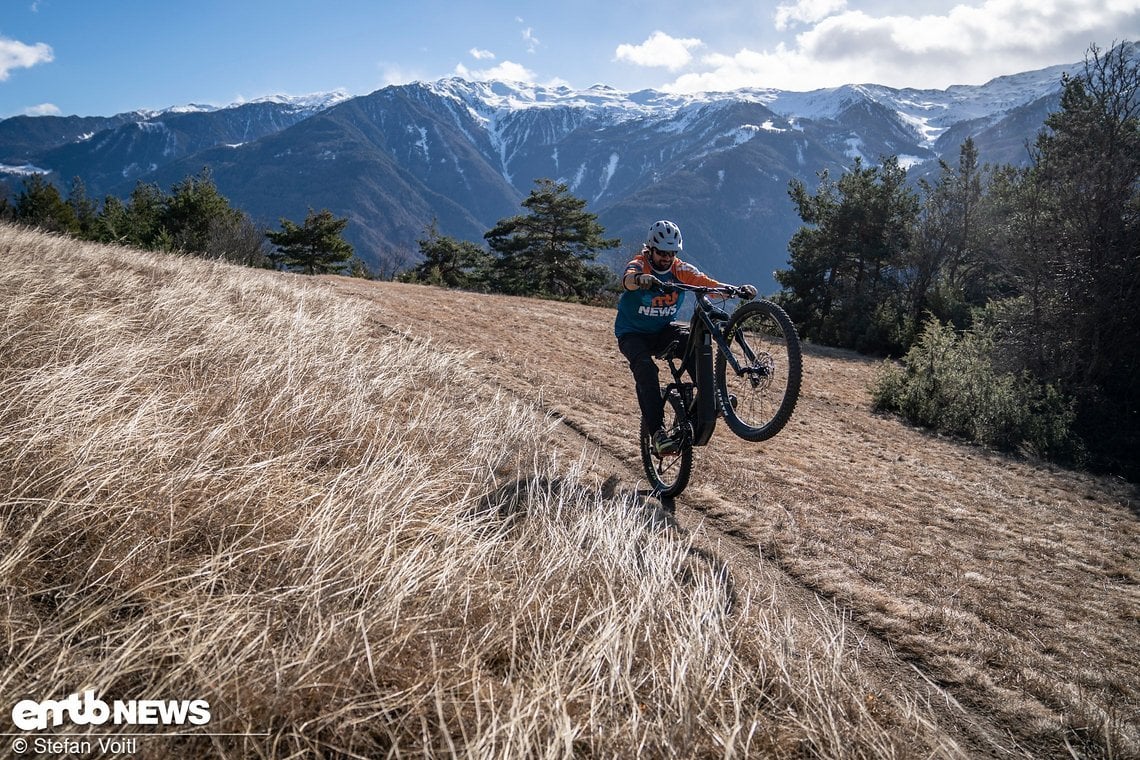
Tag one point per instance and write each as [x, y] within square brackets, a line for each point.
[729, 291]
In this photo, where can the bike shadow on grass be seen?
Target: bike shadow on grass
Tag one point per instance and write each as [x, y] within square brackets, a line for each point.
[661, 516]
[515, 501]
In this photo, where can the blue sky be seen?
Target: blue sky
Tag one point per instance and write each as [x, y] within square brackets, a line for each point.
[102, 58]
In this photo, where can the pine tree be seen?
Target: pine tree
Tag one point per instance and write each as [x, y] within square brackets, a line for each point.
[947, 270]
[143, 223]
[316, 247]
[548, 252]
[1075, 321]
[85, 209]
[841, 285]
[41, 205]
[193, 208]
[451, 263]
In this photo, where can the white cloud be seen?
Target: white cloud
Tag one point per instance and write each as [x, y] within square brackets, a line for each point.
[968, 44]
[807, 12]
[659, 50]
[531, 41]
[394, 73]
[43, 109]
[482, 55]
[784, 69]
[18, 55]
[507, 71]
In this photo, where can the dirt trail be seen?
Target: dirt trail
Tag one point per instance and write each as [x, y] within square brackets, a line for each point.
[1004, 594]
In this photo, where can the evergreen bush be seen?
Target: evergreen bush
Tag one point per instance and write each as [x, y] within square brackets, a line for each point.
[948, 381]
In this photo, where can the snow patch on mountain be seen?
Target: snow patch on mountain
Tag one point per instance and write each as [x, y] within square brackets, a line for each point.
[24, 170]
[928, 113]
[189, 108]
[304, 104]
[578, 177]
[313, 102]
[854, 148]
[422, 143]
[491, 123]
[743, 134]
[608, 174]
[486, 98]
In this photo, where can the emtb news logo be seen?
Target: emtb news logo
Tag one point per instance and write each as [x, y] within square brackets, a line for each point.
[90, 710]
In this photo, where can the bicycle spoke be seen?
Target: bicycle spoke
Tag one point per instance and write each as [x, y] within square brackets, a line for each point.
[760, 376]
[668, 475]
[759, 384]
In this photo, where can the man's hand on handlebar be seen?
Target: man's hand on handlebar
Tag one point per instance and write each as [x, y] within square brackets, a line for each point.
[647, 281]
[747, 292]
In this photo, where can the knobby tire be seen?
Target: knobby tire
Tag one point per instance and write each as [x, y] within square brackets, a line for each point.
[669, 475]
[763, 339]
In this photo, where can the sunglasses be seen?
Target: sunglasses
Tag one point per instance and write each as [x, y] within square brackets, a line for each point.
[665, 254]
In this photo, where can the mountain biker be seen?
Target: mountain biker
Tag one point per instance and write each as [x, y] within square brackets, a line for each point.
[644, 325]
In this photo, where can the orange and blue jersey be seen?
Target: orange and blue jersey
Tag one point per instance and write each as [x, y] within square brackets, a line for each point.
[650, 311]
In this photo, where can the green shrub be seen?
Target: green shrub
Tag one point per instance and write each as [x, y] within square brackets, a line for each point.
[948, 382]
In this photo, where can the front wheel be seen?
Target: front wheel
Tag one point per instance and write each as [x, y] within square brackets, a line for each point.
[760, 385]
[668, 475]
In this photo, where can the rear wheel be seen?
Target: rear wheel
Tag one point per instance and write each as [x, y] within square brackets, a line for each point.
[668, 475]
[758, 399]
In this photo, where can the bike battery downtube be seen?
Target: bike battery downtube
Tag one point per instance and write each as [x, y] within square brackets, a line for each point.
[706, 392]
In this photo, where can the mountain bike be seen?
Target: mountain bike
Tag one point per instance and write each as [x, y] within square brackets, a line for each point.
[753, 383]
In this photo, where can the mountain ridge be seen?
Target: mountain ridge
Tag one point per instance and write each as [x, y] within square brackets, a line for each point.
[465, 154]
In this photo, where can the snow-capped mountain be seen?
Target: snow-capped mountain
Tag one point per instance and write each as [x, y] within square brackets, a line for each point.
[930, 112]
[303, 104]
[466, 153]
[105, 153]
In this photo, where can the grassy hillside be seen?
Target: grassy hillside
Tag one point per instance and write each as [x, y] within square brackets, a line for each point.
[1003, 590]
[228, 485]
[369, 519]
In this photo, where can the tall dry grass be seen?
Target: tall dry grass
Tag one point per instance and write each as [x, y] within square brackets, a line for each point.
[227, 484]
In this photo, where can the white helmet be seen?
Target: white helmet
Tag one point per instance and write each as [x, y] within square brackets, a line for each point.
[664, 236]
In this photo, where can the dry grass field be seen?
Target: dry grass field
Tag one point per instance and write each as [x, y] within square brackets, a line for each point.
[379, 520]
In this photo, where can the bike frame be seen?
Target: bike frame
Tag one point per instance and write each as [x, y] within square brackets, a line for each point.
[758, 344]
[704, 329]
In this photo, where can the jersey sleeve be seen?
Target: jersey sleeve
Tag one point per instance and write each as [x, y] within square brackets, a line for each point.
[690, 275]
